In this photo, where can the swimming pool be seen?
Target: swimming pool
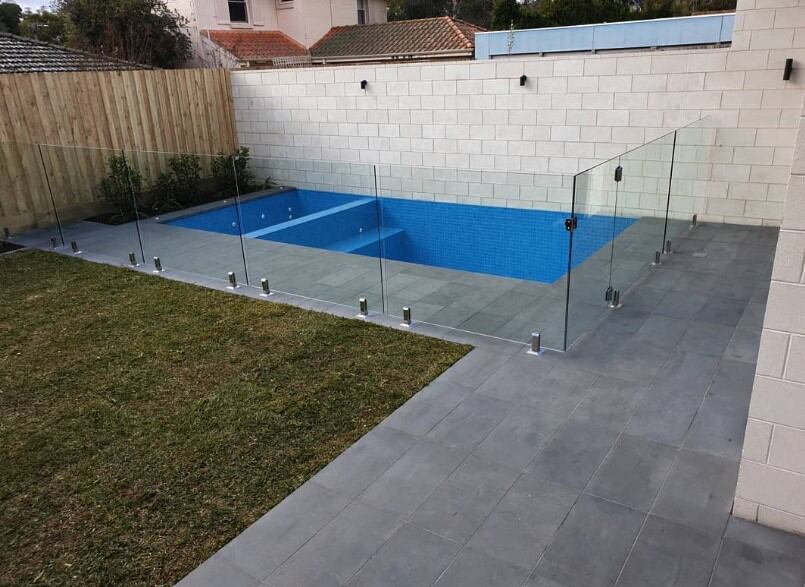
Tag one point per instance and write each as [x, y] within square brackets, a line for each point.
[506, 242]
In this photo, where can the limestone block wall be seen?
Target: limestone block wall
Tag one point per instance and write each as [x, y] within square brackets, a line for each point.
[575, 111]
[771, 483]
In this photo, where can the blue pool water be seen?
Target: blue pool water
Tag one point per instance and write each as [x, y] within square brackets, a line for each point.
[508, 242]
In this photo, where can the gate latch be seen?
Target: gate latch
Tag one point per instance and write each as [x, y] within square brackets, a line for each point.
[618, 173]
[571, 223]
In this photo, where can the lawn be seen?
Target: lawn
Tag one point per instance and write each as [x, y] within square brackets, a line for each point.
[144, 423]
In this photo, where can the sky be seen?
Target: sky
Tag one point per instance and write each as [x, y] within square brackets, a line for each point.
[32, 4]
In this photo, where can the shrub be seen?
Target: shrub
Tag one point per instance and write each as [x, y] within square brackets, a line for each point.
[122, 187]
[230, 179]
[178, 187]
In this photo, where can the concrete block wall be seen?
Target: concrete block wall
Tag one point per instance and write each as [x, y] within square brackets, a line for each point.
[574, 112]
[771, 483]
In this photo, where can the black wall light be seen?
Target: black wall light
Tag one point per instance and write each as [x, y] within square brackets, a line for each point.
[789, 65]
[523, 79]
[364, 83]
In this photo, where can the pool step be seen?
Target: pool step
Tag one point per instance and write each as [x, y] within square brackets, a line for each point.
[299, 226]
[365, 243]
[348, 228]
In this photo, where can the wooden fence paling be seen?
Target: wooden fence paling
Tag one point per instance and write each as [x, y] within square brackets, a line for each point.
[104, 112]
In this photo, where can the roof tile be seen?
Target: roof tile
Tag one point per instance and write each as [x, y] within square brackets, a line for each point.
[22, 55]
[402, 37]
[256, 45]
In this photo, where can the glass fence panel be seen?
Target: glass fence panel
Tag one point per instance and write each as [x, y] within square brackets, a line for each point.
[27, 210]
[93, 200]
[638, 225]
[693, 191]
[188, 213]
[311, 229]
[480, 251]
[595, 200]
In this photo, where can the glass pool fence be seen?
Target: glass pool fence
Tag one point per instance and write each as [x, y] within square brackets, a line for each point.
[505, 254]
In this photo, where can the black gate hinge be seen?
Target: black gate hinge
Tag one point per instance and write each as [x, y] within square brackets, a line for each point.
[618, 173]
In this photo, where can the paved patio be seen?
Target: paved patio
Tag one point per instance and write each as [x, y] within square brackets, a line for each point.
[486, 304]
[612, 464]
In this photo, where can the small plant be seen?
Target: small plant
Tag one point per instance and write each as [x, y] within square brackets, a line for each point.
[178, 187]
[122, 187]
[231, 178]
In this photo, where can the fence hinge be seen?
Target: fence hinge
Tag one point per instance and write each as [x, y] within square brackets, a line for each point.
[618, 173]
[571, 223]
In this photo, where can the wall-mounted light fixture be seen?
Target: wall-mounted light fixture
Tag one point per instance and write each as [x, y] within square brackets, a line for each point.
[364, 83]
[523, 79]
[789, 66]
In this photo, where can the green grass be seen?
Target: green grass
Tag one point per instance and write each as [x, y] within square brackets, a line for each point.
[144, 423]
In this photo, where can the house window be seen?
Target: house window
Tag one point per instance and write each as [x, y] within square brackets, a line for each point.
[237, 11]
[361, 11]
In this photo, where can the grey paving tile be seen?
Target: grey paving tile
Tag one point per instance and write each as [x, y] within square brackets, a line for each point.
[733, 382]
[689, 371]
[744, 565]
[338, 550]
[665, 414]
[726, 311]
[218, 572]
[537, 581]
[699, 492]
[573, 454]
[484, 322]
[735, 287]
[661, 331]
[744, 346]
[633, 472]
[264, 545]
[611, 402]
[412, 557]
[643, 298]
[458, 507]
[635, 360]
[475, 569]
[357, 467]
[470, 422]
[475, 368]
[707, 338]
[624, 322]
[515, 379]
[427, 408]
[670, 555]
[752, 318]
[410, 480]
[519, 437]
[662, 278]
[766, 537]
[561, 390]
[522, 524]
[592, 544]
[761, 293]
[718, 428]
[680, 305]
[696, 283]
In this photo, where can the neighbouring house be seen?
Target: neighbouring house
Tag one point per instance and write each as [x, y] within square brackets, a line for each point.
[427, 38]
[23, 55]
[262, 33]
